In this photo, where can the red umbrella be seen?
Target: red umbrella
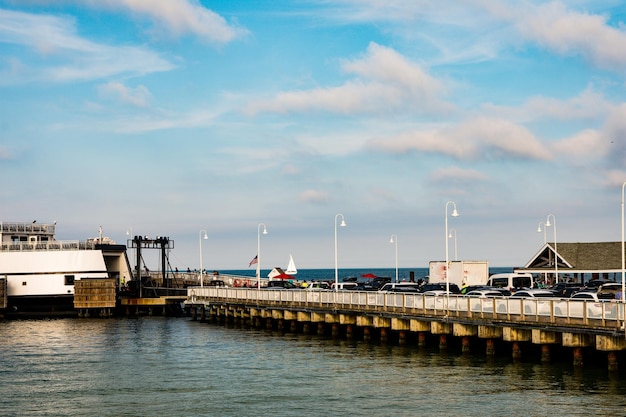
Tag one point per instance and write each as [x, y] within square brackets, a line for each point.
[368, 275]
[284, 276]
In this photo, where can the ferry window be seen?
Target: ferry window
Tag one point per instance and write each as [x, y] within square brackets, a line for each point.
[69, 280]
[23, 282]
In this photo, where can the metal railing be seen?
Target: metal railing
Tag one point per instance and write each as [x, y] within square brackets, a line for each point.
[607, 315]
[47, 246]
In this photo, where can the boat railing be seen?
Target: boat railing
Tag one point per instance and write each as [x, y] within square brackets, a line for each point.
[55, 245]
[34, 228]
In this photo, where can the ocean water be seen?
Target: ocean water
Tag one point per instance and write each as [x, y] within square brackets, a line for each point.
[159, 366]
[329, 274]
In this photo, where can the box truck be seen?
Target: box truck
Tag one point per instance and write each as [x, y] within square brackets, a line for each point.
[459, 272]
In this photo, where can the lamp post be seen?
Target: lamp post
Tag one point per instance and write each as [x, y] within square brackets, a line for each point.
[200, 237]
[454, 214]
[556, 253]
[258, 253]
[545, 240]
[623, 262]
[129, 233]
[343, 224]
[394, 239]
[456, 258]
[539, 230]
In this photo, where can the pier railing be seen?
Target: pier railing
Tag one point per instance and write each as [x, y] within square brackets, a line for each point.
[602, 316]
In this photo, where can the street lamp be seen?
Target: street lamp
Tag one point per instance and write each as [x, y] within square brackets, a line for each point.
[456, 258]
[556, 253]
[545, 240]
[539, 230]
[454, 214]
[623, 263]
[200, 237]
[343, 224]
[129, 233]
[258, 253]
[394, 239]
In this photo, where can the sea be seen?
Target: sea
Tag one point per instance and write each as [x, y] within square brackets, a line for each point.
[176, 366]
[361, 274]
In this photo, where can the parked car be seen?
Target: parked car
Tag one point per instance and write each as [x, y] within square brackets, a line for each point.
[565, 289]
[440, 286]
[344, 286]
[594, 284]
[511, 281]
[533, 294]
[592, 308]
[483, 293]
[585, 295]
[318, 286]
[608, 290]
[400, 286]
[281, 285]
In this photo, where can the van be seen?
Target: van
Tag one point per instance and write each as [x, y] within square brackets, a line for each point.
[510, 281]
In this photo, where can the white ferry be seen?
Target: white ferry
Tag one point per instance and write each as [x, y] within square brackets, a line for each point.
[39, 272]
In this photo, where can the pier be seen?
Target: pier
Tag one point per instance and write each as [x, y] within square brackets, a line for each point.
[545, 325]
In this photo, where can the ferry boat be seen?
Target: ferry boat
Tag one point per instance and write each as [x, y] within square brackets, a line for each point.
[38, 272]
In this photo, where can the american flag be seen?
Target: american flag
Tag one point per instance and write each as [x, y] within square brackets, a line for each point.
[254, 260]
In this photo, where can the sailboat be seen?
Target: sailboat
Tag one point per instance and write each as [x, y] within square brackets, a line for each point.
[291, 268]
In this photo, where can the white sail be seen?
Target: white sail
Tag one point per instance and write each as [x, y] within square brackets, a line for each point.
[291, 268]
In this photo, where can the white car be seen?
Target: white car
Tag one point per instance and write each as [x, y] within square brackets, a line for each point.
[585, 295]
[400, 287]
[483, 293]
[533, 294]
[317, 286]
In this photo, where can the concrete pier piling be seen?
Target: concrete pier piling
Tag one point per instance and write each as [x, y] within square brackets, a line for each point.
[516, 333]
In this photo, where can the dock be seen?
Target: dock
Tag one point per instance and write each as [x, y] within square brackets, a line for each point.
[519, 324]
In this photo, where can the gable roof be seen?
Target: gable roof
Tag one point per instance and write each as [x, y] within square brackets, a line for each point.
[580, 256]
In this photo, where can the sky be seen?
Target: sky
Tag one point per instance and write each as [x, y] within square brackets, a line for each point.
[174, 117]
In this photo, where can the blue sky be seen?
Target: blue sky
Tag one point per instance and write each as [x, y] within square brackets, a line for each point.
[171, 117]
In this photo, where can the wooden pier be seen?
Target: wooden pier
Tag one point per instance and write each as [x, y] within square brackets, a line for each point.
[544, 325]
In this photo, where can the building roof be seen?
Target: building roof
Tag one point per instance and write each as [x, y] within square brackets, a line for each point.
[578, 257]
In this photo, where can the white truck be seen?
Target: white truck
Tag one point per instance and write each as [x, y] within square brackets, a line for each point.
[459, 272]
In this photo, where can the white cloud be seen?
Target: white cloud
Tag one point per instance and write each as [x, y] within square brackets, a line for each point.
[457, 175]
[616, 178]
[314, 196]
[65, 55]
[589, 104]
[586, 144]
[476, 138]
[138, 96]
[566, 31]
[180, 17]
[385, 82]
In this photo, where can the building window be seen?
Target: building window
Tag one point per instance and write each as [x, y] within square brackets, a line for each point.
[69, 280]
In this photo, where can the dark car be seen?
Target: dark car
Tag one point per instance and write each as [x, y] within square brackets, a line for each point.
[437, 286]
[281, 285]
[502, 291]
[595, 283]
[565, 289]
[373, 284]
